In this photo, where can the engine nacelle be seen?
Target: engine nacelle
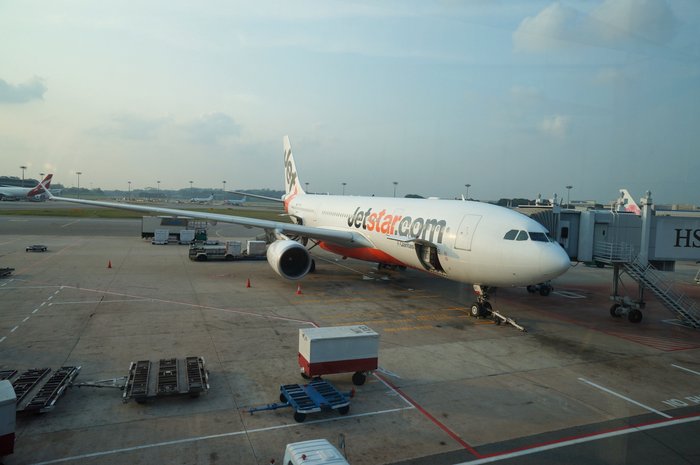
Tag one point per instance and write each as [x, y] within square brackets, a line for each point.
[289, 259]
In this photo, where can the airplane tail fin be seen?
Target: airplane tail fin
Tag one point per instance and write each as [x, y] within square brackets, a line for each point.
[292, 185]
[628, 203]
[42, 187]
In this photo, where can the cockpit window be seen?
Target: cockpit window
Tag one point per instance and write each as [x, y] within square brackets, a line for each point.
[510, 235]
[538, 237]
[522, 236]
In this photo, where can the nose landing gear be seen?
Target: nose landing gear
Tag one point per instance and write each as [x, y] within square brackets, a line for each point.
[482, 308]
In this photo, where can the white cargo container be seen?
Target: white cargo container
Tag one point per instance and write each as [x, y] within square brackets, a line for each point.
[160, 237]
[314, 452]
[8, 414]
[256, 248]
[339, 349]
[186, 236]
[234, 247]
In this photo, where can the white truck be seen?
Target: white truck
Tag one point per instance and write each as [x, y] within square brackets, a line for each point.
[230, 250]
[314, 452]
[175, 226]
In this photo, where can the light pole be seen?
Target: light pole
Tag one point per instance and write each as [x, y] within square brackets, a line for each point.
[129, 196]
[307, 187]
[224, 186]
[78, 173]
[23, 168]
[396, 183]
[467, 186]
[568, 194]
[344, 184]
[191, 190]
[158, 188]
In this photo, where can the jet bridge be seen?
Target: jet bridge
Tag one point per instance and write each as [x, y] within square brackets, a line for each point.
[640, 246]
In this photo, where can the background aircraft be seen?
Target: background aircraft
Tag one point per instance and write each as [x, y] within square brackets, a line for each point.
[19, 193]
[237, 202]
[470, 242]
[202, 199]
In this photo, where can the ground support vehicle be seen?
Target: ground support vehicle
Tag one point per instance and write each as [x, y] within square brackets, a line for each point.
[338, 349]
[6, 272]
[36, 391]
[319, 395]
[231, 250]
[36, 248]
[167, 377]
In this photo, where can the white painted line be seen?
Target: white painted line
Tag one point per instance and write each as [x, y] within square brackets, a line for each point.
[572, 442]
[25, 320]
[3, 338]
[57, 291]
[14, 329]
[100, 301]
[50, 297]
[68, 224]
[42, 304]
[686, 369]
[213, 436]
[570, 295]
[35, 310]
[625, 398]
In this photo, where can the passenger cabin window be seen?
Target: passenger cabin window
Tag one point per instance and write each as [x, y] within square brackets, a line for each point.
[510, 235]
[539, 237]
[522, 236]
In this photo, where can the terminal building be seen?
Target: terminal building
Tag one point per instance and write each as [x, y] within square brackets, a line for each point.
[640, 242]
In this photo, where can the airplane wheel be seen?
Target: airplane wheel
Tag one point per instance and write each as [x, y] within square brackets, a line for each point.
[475, 310]
[635, 316]
[531, 289]
[299, 417]
[545, 290]
[613, 311]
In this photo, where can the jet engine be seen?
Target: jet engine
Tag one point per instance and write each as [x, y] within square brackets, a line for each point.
[289, 259]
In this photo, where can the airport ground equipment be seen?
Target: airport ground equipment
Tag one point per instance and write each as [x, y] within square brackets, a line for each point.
[167, 377]
[230, 250]
[174, 226]
[36, 248]
[160, 237]
[35, 390]
[6, 272]
[544, 289]
[315, 451]
[338, 349]
[8, 417]
[317, 396]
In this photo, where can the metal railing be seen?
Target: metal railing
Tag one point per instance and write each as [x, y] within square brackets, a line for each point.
[610, 252]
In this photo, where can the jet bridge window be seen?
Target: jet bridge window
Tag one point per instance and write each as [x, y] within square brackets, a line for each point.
[538, 237]
[510, 235]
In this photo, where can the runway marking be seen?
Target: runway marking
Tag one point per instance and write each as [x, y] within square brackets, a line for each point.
[100, 301]
[3, 338]
[35, 310]
[215, 436]
[23, 321]
[7, 282]
[430, 417]
[557, 444]
[14, 329]
[686, 369]
[660, 343]
[570, 295]
[632, 401]
[68, 224]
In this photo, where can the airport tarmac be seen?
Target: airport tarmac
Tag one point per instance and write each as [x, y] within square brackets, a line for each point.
[577, 387]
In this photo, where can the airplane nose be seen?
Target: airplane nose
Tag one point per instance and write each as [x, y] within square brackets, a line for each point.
[554, 262]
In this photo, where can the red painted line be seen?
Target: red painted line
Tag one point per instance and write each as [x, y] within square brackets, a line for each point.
[430, 417]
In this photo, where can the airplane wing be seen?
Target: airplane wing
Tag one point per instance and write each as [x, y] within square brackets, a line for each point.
[343, 238]
[264, 197]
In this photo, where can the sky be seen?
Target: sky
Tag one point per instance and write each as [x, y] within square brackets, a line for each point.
[516, 98]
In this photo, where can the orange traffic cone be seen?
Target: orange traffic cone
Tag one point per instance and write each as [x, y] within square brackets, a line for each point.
[298, 289]
[247, 283]
[109, 264]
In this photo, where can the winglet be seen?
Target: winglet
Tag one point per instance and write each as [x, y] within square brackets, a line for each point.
[42, 187]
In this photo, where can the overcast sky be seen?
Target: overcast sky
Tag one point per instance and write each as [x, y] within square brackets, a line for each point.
[513, 97]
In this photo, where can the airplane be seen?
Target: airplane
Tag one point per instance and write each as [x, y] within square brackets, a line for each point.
[237, 202]
[29, 193]
[626, 203]
[469, 242]
[202, 199]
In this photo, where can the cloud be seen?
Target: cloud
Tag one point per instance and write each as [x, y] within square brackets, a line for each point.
[613, 23]
[555, 126]
[33, 89]
[131, 127]
[211, 128]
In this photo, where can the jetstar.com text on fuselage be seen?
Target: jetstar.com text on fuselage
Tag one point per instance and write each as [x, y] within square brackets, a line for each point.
[420, 228]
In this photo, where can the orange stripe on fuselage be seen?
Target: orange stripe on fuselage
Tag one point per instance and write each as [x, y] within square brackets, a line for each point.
[362, 253]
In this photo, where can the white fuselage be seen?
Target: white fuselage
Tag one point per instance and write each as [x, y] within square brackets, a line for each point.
[463, 241]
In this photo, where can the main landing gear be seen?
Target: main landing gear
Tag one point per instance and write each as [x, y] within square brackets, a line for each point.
[543, 288]
[482, 308]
